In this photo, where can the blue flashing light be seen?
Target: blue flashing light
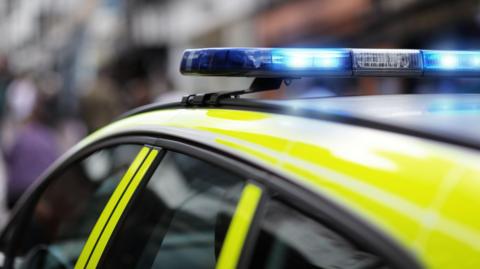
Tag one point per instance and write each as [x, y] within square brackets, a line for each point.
[292, 63]
[451, 62]
[226, 62]
[312, 59]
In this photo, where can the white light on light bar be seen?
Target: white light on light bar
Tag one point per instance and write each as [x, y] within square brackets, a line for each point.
[386, 62]
[308, 58]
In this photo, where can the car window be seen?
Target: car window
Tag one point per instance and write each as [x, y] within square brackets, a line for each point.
[290, 239]
[179, 220]
[68, 208]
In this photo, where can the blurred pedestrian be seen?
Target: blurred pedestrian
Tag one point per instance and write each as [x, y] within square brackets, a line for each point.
[5, 79]
[102, 102]
[138, 93]
[3, 193]
[34, 146]
[19, 102]
[68, 128]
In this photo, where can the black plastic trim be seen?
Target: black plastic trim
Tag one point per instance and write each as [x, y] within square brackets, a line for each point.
[214, 98]
[151, 107]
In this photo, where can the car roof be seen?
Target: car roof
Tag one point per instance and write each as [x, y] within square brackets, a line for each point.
[450, 118]
[450, 115]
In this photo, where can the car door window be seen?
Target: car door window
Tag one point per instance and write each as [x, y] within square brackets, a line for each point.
[291, 239]
[180, 218]
[68, 208]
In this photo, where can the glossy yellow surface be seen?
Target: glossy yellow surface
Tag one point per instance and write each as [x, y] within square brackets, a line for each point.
[238, 230]
[423, 193]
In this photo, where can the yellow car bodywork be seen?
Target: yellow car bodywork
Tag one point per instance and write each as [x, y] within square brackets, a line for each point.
[422, 193]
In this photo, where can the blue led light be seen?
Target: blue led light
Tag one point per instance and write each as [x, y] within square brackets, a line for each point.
[311, 59]
[451, 62]
[226, 62]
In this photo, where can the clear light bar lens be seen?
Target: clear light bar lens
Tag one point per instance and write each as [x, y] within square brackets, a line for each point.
[386, 61]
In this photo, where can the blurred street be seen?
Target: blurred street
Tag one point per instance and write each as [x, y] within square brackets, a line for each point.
[69, 67]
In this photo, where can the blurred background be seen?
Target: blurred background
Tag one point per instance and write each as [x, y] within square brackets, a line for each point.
[68, 67]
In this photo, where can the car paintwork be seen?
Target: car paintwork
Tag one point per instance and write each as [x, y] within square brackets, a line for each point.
[238, 230]
[422, 193]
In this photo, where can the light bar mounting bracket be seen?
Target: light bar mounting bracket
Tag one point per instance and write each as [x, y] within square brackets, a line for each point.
[213, 99]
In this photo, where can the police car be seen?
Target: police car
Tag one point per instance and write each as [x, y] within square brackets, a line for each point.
[219, 181]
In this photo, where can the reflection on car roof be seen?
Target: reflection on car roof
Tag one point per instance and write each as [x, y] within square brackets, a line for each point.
[454, 115]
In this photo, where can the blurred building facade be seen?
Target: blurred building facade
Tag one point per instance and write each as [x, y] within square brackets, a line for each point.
[142, 40]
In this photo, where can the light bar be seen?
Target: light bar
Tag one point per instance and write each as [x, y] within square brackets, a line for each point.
[293, 63]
